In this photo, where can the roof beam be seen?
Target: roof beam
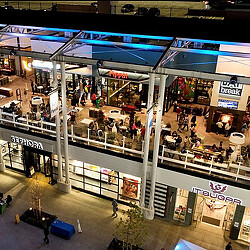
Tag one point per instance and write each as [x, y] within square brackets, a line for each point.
[128, 67]
[66, 45]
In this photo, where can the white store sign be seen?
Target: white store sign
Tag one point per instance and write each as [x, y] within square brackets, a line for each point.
[27, 142]
[232, 88]
[217, 190]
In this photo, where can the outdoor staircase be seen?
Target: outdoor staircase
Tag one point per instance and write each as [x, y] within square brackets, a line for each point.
[159, 199]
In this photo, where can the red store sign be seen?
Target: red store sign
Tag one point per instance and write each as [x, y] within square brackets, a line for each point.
[118, 75]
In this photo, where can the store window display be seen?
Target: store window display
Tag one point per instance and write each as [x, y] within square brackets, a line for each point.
[103, 181]
[181, 204]
[245, 226]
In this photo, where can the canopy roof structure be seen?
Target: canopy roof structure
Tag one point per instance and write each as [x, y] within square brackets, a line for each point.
[172, 46]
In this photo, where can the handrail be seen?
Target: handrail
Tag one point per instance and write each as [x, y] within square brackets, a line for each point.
[105, 144]
[183, 163]
[208, 169]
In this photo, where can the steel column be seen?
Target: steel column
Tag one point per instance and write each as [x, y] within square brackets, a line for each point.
[58, 129]
[157, 139]
[147, 137]
[65, 125]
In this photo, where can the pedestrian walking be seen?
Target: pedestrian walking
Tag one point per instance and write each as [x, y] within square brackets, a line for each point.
[186, 122]
[46, 234]
[32, 86]
[115, 208]
[79, 229]
[229, 246]
[178, 111]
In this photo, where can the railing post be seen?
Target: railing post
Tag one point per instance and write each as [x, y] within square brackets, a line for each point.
[1, 115]
[142, 148]
[40, 5]
[88, 135]
[27, 121]
[123, 143]
[105, 139]
[238, 170]
[42, 124]
[13, 117]
[170, 14]
[211, 164]
[29, 5]
[72, 131]
[162, 153]
[186, 159]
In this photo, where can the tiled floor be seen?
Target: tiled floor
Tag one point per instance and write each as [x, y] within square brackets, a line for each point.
[96, 222]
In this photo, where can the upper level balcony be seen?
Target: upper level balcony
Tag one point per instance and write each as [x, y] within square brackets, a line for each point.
[108, 127]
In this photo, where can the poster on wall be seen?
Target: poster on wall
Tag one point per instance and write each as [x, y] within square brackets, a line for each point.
[130, 188]
[53, 103]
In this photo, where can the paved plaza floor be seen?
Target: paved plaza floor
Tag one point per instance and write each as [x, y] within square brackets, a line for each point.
[97, 223]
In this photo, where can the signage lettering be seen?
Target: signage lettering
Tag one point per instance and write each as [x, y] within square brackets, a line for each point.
[118, 75]
[26, 142]
[231, 88]
[218, 191]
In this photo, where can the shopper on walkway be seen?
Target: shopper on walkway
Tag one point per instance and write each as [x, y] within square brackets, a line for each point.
[46, 234]
[186, 122]
[178, 111]
[32, 86]
[193, 119]
[219, 126]
[193, 130]
[115, 208]
[227, 128]
[229, 246]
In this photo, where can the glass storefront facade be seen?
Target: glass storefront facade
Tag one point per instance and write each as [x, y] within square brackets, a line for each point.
[245, 226]
[181, 204]
[102, 181]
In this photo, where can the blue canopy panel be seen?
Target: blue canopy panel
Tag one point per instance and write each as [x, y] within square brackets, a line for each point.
[139, 56]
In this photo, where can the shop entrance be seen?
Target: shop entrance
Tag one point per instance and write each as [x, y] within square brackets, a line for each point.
[212, 212]
[38, 161]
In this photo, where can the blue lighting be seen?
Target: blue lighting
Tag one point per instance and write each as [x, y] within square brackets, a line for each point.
[216, 52]
[129, 35]
[130, 45]
[213, 41]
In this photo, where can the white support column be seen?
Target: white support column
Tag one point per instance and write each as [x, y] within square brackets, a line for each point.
[58, 129]
[2, 163]
[65, 186]
[157, 139]
[147, 139]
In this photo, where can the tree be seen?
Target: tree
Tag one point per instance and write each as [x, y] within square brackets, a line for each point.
[36, 194]
[131, 229]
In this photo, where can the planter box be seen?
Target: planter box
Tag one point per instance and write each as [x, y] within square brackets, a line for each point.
[118, 245]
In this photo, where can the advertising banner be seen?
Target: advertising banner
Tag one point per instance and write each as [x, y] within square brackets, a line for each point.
[54, 103]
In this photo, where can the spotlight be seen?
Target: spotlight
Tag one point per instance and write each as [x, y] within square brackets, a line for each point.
[13, 52]
[233, 79]
[99, 64]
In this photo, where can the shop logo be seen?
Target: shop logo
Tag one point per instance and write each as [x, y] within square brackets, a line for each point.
[118, 75]
[217, 188]
[217, 192]
[27, 142]
[231, 88]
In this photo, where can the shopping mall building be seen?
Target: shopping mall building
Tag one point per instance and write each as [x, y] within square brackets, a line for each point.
[149, 66]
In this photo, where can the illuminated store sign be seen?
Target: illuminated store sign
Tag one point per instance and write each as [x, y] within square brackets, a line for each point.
[217, 191]
[231, 88]
[228, 104]
[118, 74]
[26, 142]
[121, 75]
